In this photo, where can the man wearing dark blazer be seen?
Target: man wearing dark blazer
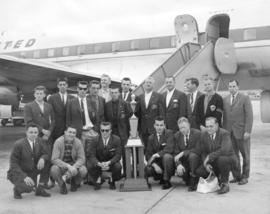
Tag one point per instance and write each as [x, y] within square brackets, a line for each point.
[59, 102]
[80, 111]
[209, 105]
[118, 112]
[192, 85]
[97, 101]
[126, 89]
[174, 104]
[187, 140]
[29, 158]
[103, 155]
[217, 154]
[159, 154]
[238, 120]
[148, 107]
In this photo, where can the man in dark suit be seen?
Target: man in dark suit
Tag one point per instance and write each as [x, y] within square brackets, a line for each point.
[103, 155]
[216, 153]
[80, 112]
[148, 107]
[174, 104]
[192, 85]
[97, 101]
[159, 154]
[40, 113]
[238, 120]
[209, 105]
[186, 160]
[118, 112]
[126, 89]
[29, 158]
[59, 101]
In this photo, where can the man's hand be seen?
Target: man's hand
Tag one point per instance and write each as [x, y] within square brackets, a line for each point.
[154, 156]
[203, 129]
[177, 157]
[180, 170]
[40, 164]
[157, 169]
[246, 136]
[29, 182]
[73, 170]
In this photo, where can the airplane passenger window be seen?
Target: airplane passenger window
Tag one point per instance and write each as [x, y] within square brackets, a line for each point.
[134, 45]
[173, 41]
[65, 51]
[81, 50]
[154, 43]
[250, 34]
[115, 46]
[36, 54]
[50, 52]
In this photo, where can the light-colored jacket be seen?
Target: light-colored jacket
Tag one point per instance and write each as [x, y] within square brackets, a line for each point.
[238, 117]
[77, 153]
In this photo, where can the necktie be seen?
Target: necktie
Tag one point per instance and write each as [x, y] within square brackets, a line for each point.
[83, 113]
[158, 138]
[63, 99]
[233, 98]
[191, 99]
[212, 137]
[33, 147]
[187, 140]
[125, 94]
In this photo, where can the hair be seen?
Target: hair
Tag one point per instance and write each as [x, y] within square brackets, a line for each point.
[62, 79]
[193, 80]
[234, 80]
[126, 79]
[40, 88]
[150, 78]
[31, 125]
[105, 123]
[159, 118]
[211, 118]
[82, 83]
[70, 126]
[115, 87]
[169, 77]
[94, 82]
[106, 75]
[182, 120]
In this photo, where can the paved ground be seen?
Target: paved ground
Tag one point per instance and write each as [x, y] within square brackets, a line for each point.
[253, 198]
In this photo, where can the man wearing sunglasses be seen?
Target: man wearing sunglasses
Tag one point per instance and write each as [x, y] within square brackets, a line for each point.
[103, 155]
[80, 114]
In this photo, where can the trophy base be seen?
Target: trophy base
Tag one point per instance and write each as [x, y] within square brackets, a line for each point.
[131, 185]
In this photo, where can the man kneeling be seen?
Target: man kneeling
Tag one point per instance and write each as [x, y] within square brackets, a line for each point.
[68, 160]
[103, 156]
[29, 158]
[158, 154]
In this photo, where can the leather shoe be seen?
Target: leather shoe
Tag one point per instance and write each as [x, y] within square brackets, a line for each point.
[234, 180]
[224, 188]
[63, 189]
[112, 185]
[243, 181]
[192, 184]
[97, 186]
[73, 185]
[166, 185]
[41, 192]
[16, 194]
[161, 182]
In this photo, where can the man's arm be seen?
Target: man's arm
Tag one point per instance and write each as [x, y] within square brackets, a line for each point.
[118, 152]
[15, 160]
[80, 155]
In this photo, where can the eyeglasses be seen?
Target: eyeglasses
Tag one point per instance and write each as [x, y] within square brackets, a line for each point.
[80, 88]
[105, 130]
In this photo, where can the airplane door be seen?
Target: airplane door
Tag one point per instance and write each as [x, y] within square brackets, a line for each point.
[217, 26]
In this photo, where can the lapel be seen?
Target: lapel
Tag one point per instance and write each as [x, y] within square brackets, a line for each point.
[36, 106]
[78, 106]
[27, 146]
[236, 99]
[58, 97]
[174, 97]
[151, 100]
[143, 104]
[197, 97]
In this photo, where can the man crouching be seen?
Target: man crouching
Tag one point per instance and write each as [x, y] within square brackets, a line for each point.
[160, 163]
[29, 158]
[68, 160]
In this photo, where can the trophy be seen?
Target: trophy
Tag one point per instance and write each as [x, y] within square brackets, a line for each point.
[134, 151]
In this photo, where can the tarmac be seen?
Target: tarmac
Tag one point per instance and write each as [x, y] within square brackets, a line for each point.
[252, 198]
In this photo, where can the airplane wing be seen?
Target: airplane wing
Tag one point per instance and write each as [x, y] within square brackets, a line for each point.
[25, 74]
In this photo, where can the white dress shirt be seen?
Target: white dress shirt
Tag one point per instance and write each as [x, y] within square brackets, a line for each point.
[63, 96]
[31, 143]
[234, 97]
[194, 95]
[41, 106]
[88, 122]
[169, 97]
[147, 98]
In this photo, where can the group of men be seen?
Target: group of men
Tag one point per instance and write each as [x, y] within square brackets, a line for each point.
[70, 139]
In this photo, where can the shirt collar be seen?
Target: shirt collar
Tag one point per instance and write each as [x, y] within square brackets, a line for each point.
[170, 92]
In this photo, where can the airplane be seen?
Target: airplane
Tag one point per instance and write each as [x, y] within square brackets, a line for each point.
[231, 47]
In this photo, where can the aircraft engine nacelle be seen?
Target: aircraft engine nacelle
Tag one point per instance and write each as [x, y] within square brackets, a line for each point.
[265, 105]
[9, 96]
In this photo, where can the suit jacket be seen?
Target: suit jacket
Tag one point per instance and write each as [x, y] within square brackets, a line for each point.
[124, 113]
[238, 117]
[33, 114]
[23, 160]
[193, 142]
[97, 152]
[60, 113]
[165, 144]
[217, 102]
[100, 112]
[146, 116]
[127, 98]
[221, 145]
[77, 153]
[192, 113]
[177, 108]
[74, 115]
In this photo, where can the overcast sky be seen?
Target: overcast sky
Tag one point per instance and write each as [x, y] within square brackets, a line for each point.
[110, 20]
